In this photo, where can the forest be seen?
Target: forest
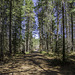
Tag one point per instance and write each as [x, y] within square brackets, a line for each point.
[37, 37]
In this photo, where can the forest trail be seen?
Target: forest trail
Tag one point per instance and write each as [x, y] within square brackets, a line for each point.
[34, 64]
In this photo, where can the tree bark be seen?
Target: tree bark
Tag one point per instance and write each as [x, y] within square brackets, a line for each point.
[10, 51]
[63, 31]
[57, 29]
[72, 26]
[27, 35]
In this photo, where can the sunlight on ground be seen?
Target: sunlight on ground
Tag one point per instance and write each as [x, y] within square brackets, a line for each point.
[34, 64]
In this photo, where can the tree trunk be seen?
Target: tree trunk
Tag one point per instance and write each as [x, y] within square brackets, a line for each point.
[72, 26]
[47, 43]
[2, 34]
[57, 29]
[27, 35]
[63, 31]
[10, 51]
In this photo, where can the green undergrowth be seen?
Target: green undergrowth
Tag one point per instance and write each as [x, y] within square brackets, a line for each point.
[27, 53]
[57, 58]
[48, 54]
[72, 56]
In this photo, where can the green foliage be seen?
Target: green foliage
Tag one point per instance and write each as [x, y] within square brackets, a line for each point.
[35, 42]
[73, 11]
[27, 53]
[70, 1]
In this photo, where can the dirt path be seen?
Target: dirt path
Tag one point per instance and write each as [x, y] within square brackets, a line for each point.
[34, 64]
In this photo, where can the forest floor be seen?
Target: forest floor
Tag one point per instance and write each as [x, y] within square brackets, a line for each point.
[35, 64]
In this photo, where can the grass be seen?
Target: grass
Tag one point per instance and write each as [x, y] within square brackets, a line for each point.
[43, 52]
[27, 53]
[68, 59]
[48, 54]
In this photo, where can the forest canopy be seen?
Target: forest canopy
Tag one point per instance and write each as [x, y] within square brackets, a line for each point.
[53, 21]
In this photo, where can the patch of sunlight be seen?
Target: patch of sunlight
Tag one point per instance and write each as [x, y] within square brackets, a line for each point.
[27, 52]
[24, 67]
[51, 53]
[72, 59]
[57, 67]
[43, 52]
[73, 53]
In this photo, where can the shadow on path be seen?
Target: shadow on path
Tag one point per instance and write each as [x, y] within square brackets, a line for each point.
[36, 64]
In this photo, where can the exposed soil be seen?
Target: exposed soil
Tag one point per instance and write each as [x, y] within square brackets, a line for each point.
[35, 64]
